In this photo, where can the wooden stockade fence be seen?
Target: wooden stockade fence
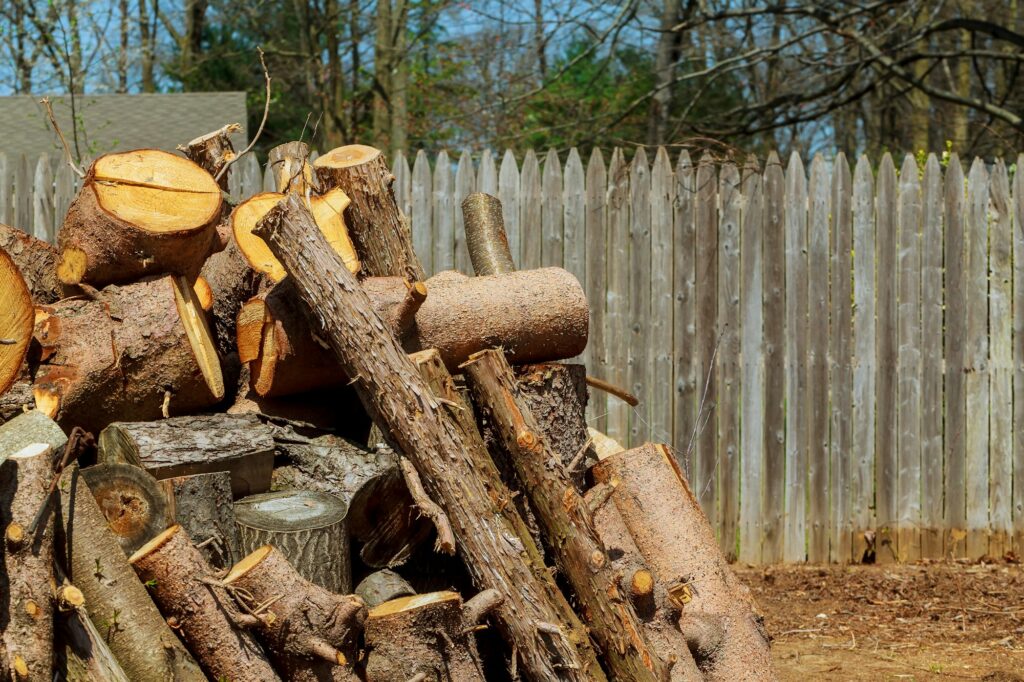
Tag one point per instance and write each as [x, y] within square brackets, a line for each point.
[865, 330]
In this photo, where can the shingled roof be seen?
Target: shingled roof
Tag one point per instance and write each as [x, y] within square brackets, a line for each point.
[115, 122]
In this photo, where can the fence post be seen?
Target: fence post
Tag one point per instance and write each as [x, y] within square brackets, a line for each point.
[42, 200]
[1001, 386]
[596, 355]
[639, 351]
[422, 210]
[465, 182]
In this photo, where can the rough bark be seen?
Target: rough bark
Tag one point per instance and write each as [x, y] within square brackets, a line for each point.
[139, 213]
[232, 282]
[37, 262]
[136, 352]
[289, 164]
[490, 536]
[131, 502]
[565, 519]
[421, 634]
[28, 428]
[201, 504]
[381, 586]
[309, 529]
[203, 613]
[118, 604]
[17, 400]
[16, 318]
[182, 446]
[678, 545]
[311, 634]
[381, 233]
[213, 151]
[82, 654]
[26, 607]
[485, 235]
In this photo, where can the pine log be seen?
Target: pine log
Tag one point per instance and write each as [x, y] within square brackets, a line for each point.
[139, 213]
[423, 634]
[490, 536]
[182, 446]
[564, 517]
[37, 262]
[289, 164]
[131, 502]
[27, 635]
[485, 235]
[677, 543]
[213, 151]
[308, 528]
[28, 428]
[82, 654]
[381, 586]
[201, 504]
[381, 233]
[16, 319]
[311, 633]
[139, 352]
[202, 612]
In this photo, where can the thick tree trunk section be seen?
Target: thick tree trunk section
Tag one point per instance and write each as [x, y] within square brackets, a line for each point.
[16, 319]
[139, 213]
[382, 586]
[183, 446]
[201, 504]
[289, 164]
[141, 350]
[28, 428]
[37, 262]
[490, 536]
[565, 519]
[118, 604]
[311, 634]
[213, 151]
[202, 612]
[424, 634]
[485, 235]
[83, 655]
[308, 529]
[381, 233]
[26, 606]
[131, 501]
[676, 542]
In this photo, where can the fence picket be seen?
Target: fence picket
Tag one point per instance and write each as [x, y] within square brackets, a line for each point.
[42, 200]
[684, 340]
[817, 361]
[796, 357]
[703, 479]
[617, 314]
[659, 325]
[443, 226]
[530, 213]
[6, 182]
[1018, 350]
[552, 235]
[727, 408]
[403, 183]
[508, 193]
[64, 189]
[1001, 377]
[422, 211]
[596, 283]
[487, 177]
[252, 180]
[23, 172]
[465, 183]
[574, 201]
[639, 373]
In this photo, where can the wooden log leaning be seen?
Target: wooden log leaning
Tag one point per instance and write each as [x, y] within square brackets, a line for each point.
[676, 542]
[202, 611]
[485, 235]
[289, 165]
[534, 618]
[201, 504]
[27, 579]
[311, 634]
[118, 604]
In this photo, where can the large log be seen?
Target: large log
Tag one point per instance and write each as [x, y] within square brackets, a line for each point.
[139, 213]
[16, 319]
[27, 579]
[138, 352]
[549, 641]
[677, 543]
[131, 501]
[28, 428]
[118, 604]
[202, 611]
[37, 262]
[201, 504]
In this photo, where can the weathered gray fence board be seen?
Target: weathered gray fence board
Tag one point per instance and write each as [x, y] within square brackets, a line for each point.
[597, 284]
[65, 186]
[639, 357]
[443, 227]
[1001, 381]
[42, 202]
[1018, 351]
[617, 300]
[552, 235]
[422, 211]
[403, 184]
[574, 217]
[727, 409]
[796, 359]
[23, 171]
[660, 321]
[487, 176]
[703, 474]
[977, 367]
[530, 206]
[465, 184]
[508, 193]
[683, 334]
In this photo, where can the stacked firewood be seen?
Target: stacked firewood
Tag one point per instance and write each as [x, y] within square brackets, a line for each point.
[255, 442]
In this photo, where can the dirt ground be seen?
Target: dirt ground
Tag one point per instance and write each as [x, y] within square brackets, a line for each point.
[925, 621]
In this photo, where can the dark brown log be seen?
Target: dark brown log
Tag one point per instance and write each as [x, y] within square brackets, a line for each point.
[28, 428]
[311, 634]
[289, 164]
[25, 582]
[201, 504]
[182, 446]
[308, 528]
[16, 319]
[565, 518]
[118, 604]
[382, 586]
[202, 611]
[381, 233]
[490, 536]
[677, 544]
[131, 502]
[424, 634]
[213, 151]
[485, 235]
[139, 213]
[139, 352]
[37, 262]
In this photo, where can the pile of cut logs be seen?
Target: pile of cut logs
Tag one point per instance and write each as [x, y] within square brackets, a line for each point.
[255, 442]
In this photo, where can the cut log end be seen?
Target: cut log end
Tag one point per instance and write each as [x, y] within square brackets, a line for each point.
[16, 321]
[347, 156]
[249, 562]
[204, 294]
[72, 266]
[412, 603]
[130, 500]
[192, 313]
[154, 544]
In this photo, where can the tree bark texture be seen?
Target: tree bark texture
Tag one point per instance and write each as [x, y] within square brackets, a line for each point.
[565, 519]
[489, 535]
[183, 446]
[308, 528]
[381, 233]
[82, 654]
[17, 400]
[213, 151]
[485, 235]
[28, 428]
[37, 262]
[201, 504]
[311, 634]
[232, 282]
[381, 586]
[678, 545]
[26, 583]
[118, 604]
[203, 613]
[131, 501]
[289, 164]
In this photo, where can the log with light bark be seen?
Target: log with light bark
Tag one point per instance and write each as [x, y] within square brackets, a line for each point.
[27, 578]
[678, 545]
[201, 504]
[131, 502]
[289, 166]
[140, 351]
[183, 446]
[381, 586]
[382, 235]
[308, 528]
[311, 634]
[118, 604]
[490, 537]
[143, 212]
[485, 235]
[37, 261]
[423, 634]
[16, 319]
[213, 151]
[203, 613]
[28, 428]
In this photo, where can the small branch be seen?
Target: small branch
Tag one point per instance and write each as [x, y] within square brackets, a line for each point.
[416, 294]
[266, 112]
[8, 342]
[620, 393]
[474, 610]
[76, 439]
[67, 150]
[445, 538]
[578, 458]
[598, 496]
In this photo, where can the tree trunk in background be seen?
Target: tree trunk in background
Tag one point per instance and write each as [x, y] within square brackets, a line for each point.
[147, 38]
[399, 75]
[920, 114]
[333, 90]
[122, 56]
[539, 40]
[666, 56]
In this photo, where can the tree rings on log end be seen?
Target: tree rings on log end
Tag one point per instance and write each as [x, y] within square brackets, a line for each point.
[17, 317]
[130, 500]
